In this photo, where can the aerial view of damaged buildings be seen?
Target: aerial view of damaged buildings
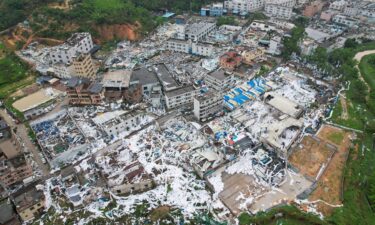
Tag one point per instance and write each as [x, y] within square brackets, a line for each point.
[199, 117]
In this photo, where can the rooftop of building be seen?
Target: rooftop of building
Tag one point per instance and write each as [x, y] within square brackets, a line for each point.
[179, 91]
[208, 95]
[76, 38]
[117, 78]
[219, 74]
[36, 99]
[144, 76]
[28, 196]
[165, 76]
[197, 27]
[6, 211]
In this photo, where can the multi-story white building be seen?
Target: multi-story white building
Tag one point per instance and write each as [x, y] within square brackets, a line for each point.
[189, 47]
[179, 97]
[351, 11]
[178, 45]
[81, 66]
[243, 6]
[344, 20]
[274, 46]
[220, 80]
[278, 11]
[116, 122]
[207, 105]
[62, 70]
[338, 5]
[286, 3]
[77, 43]
[198, 31]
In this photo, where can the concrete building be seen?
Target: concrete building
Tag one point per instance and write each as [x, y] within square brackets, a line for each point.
[243, 6]
[189, 47]
[285, 3]
[284, 105]
[207, 105]
[117, 86]
[77, 43]
[37, 103]
[230, 60]
[178, 97]
[345, 21]
[136, 180]
[220, 80]
[13, 166]
[8, 215]
[251, 56]
[29, 202]
[62, 71]
[278, 11]
[307, 46]
[15, 170]
[274, 47]
[351, 11]
[338, 5]
[327, 15]
[313, 8]
[116, 122]
[147, 79]
[83, 66]
[198, 31]
[215, 9]
[82, 91]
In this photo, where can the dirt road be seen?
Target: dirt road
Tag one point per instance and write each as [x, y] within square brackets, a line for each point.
[23, 134]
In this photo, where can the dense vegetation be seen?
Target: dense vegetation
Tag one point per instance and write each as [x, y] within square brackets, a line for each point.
[290, 42]
[12, 73]
[359, 178]
[15, 11]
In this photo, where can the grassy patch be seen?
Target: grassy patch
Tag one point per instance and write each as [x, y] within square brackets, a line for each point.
[368, 70]
[280, 215]
[336, 137]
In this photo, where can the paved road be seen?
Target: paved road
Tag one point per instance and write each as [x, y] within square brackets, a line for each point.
[23, 134]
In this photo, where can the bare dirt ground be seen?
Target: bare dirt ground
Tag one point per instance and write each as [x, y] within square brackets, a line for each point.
[344, 113]
[310, 156]
[329, 187]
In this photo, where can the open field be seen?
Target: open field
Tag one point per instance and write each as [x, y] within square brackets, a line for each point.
[310, 156]
[330, 187]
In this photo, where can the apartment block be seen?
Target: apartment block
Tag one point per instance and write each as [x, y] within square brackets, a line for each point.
[278, 11]
[230, 60]
[198, 31]
[113, 123]
[215, 9]
[243, 6]
[285, 3]
[252, 55]
[207, 105]
[82, 91]
[313, 8]
[29, 202]
[13, 165]
[344, 20]
[189, 47]
[219, 80]
[83, 66]
[178, 97]
[77, 43]
[338, 5]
